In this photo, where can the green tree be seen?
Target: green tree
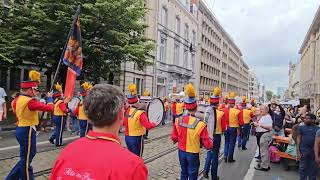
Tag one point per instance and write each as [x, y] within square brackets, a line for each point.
[269, 95]
[112, 33]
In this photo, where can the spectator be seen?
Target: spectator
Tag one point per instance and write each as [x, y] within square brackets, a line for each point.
[3, 106]
[302, 111]
[277, 114]
[305, 148]
[43, 115]
[317, 147]
[292, 147]
[256, 118]
[104, 105]
[289, 121]
[263, 132]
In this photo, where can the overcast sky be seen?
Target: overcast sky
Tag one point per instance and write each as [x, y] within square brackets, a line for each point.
[268, 32]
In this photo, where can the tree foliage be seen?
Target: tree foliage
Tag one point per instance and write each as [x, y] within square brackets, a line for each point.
[112, 33]
[269, 95]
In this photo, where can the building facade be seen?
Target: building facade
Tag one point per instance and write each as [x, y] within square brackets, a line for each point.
[219, 60]
[310, 64]
[294, 80]
[254, 86]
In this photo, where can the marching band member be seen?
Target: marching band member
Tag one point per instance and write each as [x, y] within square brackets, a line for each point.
[136, 122]
[59, 115]
[188, 131]
[85, 126]
[146, 93]
[247, 115]
[252, 102]
[219, 127]
[166, 110]
[242, 106]
[26, 108]
[233, 123]
[177, 109]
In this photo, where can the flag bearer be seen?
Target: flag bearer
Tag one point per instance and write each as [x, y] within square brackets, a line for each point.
[85, 126]
[26, 109]
[219, 127]
[59, 115]
[188, 131]
[136, 122]
[233, 124]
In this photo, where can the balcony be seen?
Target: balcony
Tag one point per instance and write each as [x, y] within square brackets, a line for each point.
[179, 70]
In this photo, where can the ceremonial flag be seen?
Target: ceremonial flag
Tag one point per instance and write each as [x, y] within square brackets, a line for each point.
[73, 53]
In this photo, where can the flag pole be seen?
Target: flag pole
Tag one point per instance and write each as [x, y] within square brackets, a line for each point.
[65, 46]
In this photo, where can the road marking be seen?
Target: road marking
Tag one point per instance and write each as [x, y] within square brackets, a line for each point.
[39, 143]
[250, 173]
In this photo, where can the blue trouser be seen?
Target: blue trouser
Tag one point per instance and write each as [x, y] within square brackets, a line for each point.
[84, 127]
[75, 124]
[135, 144]
[60, 122]
[26, 137]
[230, 142]
[245, 135]
[189, 163]
[213, 157]
[307, 166]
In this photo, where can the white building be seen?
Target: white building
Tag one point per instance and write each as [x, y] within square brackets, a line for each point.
[294, 80]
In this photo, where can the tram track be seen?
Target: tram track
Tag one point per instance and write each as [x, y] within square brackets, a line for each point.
[53, 148]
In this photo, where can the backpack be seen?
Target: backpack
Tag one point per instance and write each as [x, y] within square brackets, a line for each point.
[272, 154]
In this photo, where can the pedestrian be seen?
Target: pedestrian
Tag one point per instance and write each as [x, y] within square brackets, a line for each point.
[219, 127]
[166, 110]
[26, 108]
[256, 118]
[85, 126]
[305, 144]
[277, 114]
[317, 147]
[234, 122]
[3, 106]
[188, 131]
[100, 155]
[264, 135]
[135, 122]
[59, 116]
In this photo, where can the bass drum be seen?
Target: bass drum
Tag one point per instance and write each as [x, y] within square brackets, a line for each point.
[155, 111]
[73, 103]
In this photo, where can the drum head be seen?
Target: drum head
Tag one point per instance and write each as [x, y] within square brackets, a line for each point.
[155, 111]
[73, 103]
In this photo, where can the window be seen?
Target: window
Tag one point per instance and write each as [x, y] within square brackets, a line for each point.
[164, 16]
[139, 83]
[194, 37]
[186, 31]
[176, 52]
[185, 58]
[193, 57]
[178, 24]
[163, 49]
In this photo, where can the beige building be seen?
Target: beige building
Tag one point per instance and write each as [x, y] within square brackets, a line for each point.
[220, 60]
[176, 50]
[310, 64]
[294, 80]
[254, 87]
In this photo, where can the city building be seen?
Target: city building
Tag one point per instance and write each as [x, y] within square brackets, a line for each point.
[254, 86]
[262, 93]
[219, 60]
[310, 65]
[294, 80]
[281, 91]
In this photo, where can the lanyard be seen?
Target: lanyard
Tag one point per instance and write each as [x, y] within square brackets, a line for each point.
[103, 138]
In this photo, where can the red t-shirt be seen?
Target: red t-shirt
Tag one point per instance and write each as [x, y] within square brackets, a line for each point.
[98, 156]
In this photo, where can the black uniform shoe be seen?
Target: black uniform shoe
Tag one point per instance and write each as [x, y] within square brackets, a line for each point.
[216, 178]
[231, 160]
[206, 175]
[51, 141]
[225, 160]
[244, 148]
[262, 169]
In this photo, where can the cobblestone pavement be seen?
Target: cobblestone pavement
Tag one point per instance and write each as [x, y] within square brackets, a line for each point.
[45, 160]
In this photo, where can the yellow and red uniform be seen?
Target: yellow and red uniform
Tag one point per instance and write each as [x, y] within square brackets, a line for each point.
[189, 138]
[247, 115]
[79, 112]
[105, 159]
[166, 106]
[234, 117]
[84, 125]
[137, 124]
[59, 119]
[221, 125]
[26, 109]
